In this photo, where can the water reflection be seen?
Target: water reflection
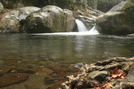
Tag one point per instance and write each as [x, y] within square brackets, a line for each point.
[64, 48]
[53, 53]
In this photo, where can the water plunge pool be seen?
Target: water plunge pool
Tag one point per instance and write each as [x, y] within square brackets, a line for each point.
[38, 51]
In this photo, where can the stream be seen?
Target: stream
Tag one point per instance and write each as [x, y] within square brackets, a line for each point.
[36, 51]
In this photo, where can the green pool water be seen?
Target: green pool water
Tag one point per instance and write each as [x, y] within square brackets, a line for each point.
[35, 51]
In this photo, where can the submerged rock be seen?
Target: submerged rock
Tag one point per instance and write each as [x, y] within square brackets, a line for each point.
[12, 78]
[98, 75]
[49, 19]
[119, 20]
[5, 70]
[10, 75]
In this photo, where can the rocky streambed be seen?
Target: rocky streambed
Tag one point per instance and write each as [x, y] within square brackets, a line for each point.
[47, 77]
[114, 73]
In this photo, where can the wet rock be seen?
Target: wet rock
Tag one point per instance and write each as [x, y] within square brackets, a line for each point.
[104, 75]
[6, 70]
[12, 78]
[88, 22]
[98, 75]
[88, 17]
[130, 76]
[49, 19]
[79, 65]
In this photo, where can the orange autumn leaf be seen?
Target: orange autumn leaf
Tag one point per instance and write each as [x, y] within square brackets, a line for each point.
[118, 73]
[97, 88]
[105, 85]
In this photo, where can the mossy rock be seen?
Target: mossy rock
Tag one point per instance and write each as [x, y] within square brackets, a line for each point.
[118, 20]
[106, 5]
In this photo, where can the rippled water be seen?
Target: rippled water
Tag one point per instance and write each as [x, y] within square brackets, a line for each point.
[64, 48]
[38, 50]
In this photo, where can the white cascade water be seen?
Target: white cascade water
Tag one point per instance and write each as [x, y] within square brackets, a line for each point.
[93, 30]
[81, 26]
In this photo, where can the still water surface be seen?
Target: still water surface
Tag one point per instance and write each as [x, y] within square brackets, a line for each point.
[65, 49]
[50, 54]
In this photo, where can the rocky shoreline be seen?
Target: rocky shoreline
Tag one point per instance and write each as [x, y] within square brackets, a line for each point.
[114, 73]
[51, 18]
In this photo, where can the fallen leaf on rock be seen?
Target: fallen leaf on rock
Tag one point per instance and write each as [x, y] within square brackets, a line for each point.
[105, 85]
[118, 74]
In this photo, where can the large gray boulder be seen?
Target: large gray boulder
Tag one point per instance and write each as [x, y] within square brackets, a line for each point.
[119, 20]
[9, 26]
[12, 21]
[1, 7]
[106, 5]
[69, 19]
[49, 19]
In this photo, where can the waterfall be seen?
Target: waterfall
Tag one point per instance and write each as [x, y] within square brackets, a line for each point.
[93, 30]
[82, 30]
[81, 26]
